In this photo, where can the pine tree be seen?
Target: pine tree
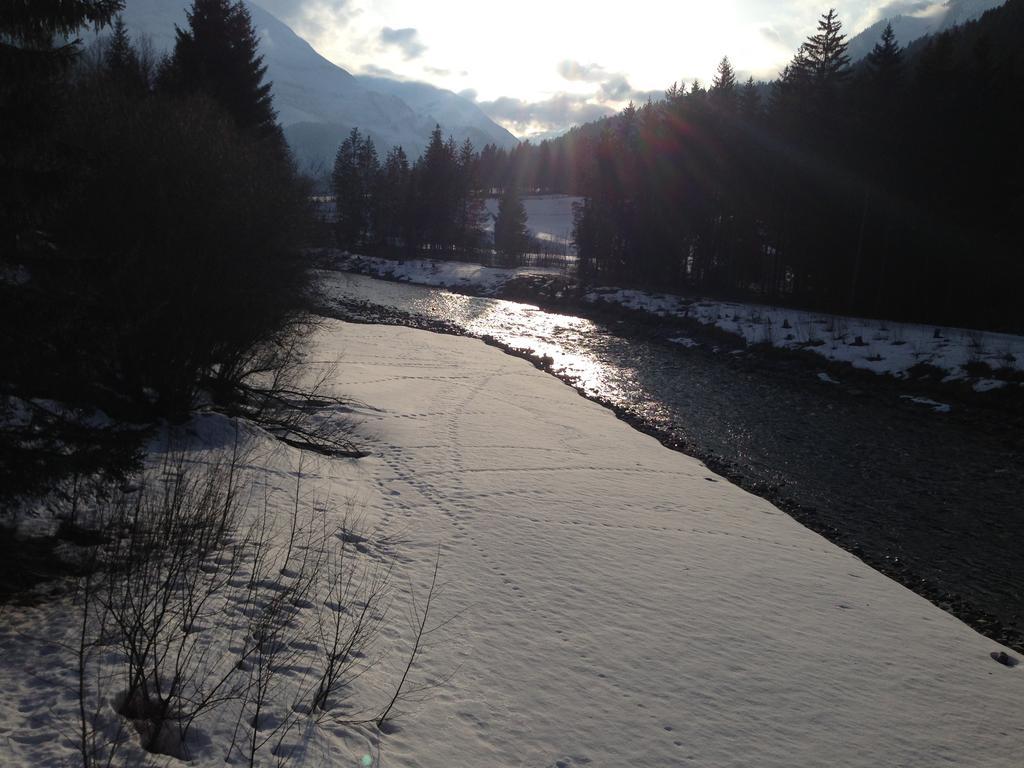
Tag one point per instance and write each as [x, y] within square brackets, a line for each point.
[887, 54]
[879, 89]
[38, 173]
[723, 86]
[394, 191]
[885, 66]
[33, 25]
[356, 181]
[350, 204]
[825, 52]
[31, 67]
[369, 186]
[438, 192]
[511, 238]
[472, 212]
[122, 60]
[750, 100]
[218, 55]
[487, 167]
[809, 92]
[34, 168]
[120, 54]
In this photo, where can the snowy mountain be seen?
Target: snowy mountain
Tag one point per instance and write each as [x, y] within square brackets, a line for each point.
[443, 107]
[318, 102]
[933, 18]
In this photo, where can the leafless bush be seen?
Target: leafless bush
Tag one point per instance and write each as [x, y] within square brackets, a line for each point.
[303, 417]
[349, 620]
[193, 603]
[154, 587]
[975, 342]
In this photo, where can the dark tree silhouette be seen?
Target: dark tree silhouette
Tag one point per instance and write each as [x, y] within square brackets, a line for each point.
[892, 192]
[886, 57]
[395, 191]
[435, 205]
[348, 191]
[750, 100]
[149, 243]
[825, 52]
[217, 54]
[31, 70]
[510, 235]
[891, 187]
[123, 62]
[723, 86]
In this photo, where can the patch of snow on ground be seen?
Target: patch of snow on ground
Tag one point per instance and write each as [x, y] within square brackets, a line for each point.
[879, 346]
[875, 345]
[824, 378]
[549, 217]
[934, 405]
[441, 274]
[612, 602]
[987, 385]
[685, 341]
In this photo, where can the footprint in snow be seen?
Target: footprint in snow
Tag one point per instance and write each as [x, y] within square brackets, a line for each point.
[568, 762]
[1004, 658]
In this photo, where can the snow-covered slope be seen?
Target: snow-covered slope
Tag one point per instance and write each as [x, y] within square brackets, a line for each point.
[605, 601]
[317, 101]
[930, 19]
[457, 114]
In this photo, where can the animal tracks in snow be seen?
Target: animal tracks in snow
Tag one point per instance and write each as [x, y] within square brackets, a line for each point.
[620, 605]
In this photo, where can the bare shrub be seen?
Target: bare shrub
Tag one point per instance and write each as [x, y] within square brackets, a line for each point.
[198, 600]
[154, 588]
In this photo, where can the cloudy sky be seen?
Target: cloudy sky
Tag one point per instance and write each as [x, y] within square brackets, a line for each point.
[539, 66]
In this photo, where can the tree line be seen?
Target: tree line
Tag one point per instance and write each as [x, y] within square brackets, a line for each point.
[891, 187]
[431, 207]
[150, 218]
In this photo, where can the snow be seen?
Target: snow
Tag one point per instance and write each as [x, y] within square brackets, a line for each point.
[927, 401]
[879, 346]
[14, 274]
[609, 602]
[912, 23]
[549, 218]
[456, 114]
[318, 102]
[987, 385]
[441, 274]
[685, 341]
[90, 419]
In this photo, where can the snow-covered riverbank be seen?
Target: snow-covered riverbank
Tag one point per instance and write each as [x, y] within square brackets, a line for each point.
[612, 602]
[985, 359]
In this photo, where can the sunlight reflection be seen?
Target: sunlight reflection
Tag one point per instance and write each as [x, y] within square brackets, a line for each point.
[573, 344]
[548, 335]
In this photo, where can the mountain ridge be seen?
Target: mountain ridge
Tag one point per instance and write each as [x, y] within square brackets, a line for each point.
[318, 102]
[909, 28]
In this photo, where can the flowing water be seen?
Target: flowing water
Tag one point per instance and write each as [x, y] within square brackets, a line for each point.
[932, 499]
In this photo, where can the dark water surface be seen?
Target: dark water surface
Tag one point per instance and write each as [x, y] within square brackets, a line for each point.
[934, 500]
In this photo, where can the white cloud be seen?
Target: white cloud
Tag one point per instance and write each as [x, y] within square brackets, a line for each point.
[313, 19]
[588, 73]
[406, 39]
[540, 64]
[529, 119]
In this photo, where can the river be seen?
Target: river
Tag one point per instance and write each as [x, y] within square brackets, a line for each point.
[932, 499]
